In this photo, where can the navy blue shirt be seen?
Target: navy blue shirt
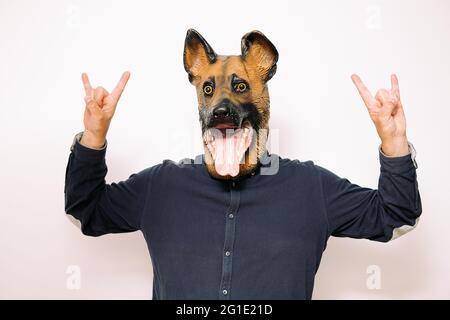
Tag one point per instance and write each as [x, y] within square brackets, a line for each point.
[259, 237]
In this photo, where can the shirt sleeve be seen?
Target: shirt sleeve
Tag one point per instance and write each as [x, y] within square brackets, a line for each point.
[381, 214]
[101, 208]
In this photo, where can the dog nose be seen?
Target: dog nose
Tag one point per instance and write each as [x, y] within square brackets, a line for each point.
[221, 111]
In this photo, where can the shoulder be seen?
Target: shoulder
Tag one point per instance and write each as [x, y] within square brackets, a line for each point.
[177, 169]
[288, 164]
[311, 171]
[302, 165]
[286, 168]
[185, 163]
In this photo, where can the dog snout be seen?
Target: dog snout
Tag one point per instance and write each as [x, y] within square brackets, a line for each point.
[223, 113]
[222, 110]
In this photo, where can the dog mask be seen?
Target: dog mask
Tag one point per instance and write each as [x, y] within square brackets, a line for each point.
[233, 101]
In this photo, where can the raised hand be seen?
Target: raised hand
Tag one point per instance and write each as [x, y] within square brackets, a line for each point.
[386, 112]
[100, 108]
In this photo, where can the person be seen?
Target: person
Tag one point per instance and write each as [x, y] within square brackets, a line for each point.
[227, 230]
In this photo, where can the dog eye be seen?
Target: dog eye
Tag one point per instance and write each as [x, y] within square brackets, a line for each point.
[208, 90]
[240, 87]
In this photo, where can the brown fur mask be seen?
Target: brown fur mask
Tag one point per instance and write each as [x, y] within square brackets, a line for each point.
[232, 97]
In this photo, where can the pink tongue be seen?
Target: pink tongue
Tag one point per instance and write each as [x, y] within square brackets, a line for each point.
[229, 153]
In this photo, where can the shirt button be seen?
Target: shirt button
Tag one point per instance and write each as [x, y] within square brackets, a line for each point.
[227, 253]
[225, 292]
[231, 216]
[233, 184]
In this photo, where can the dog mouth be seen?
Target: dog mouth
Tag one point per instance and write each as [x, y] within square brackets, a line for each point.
[227, 144]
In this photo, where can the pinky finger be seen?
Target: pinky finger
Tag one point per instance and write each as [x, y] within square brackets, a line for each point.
[395, 86]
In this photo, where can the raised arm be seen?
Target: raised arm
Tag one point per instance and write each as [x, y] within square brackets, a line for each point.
[394, 208]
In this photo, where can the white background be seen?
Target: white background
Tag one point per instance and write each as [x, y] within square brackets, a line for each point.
[45, 45]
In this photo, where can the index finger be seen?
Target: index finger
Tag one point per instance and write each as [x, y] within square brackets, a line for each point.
[87, 85]
[117, 92]
[363, 91]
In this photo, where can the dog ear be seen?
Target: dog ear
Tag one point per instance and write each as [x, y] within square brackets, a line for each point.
[197, 53]
[258, 51]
